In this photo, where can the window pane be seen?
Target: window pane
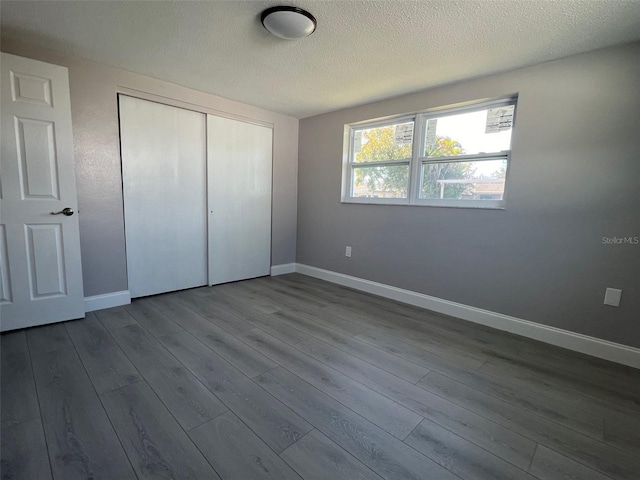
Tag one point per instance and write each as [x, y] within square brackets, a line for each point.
[381, 182]
[484, 131]
[380, 144]
[483, 180]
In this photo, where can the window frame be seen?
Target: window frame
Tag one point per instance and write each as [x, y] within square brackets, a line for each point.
[351, 165]
[418, 160]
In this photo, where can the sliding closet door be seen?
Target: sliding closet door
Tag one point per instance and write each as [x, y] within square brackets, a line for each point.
[239, 180]
[164, 170]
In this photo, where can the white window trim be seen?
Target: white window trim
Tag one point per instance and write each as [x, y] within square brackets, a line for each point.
[417, 160]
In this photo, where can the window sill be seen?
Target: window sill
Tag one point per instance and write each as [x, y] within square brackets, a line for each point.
[480, 204]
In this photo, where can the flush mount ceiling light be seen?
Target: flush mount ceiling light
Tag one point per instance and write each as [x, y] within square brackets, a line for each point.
[289, 23]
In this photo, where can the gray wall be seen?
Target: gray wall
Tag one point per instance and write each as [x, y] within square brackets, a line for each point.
[97, 156]
[574, 178]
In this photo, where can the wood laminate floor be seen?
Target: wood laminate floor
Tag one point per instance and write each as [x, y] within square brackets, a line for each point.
[291, 377]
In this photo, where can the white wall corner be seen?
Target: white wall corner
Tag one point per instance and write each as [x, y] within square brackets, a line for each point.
[595, 347]
[107, 300]
[283, 269]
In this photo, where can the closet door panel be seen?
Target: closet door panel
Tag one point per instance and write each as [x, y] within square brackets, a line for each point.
[239, 193]
[164, 183]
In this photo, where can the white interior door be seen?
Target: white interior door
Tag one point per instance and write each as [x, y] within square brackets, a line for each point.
[164, 173]
[239, 194]
[40, 267]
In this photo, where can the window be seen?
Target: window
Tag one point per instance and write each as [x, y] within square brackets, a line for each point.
[456, 157]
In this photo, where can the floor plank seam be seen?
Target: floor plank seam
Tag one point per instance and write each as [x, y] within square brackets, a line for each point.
[100, 399]
[206, 421]
[528, 435]
[338, 401]
[35, 386]
[533, 456]
[130, 460]
[359, 357]
[512, 404]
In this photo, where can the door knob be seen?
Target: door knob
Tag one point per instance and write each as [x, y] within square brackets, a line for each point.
[65, 211]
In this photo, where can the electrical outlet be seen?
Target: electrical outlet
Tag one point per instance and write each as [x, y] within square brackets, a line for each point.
[347, 251]
[612, 297]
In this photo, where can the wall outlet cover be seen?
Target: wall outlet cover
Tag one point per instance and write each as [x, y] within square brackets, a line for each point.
[612, 297]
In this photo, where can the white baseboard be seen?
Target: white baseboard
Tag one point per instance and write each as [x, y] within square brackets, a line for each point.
[595, 347]
[283, 269]
[107, 300]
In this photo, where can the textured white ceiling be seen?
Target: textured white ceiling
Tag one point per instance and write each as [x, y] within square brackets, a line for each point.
[362, 50]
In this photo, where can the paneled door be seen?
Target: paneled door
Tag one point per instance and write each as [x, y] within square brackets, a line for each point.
[40, 267]
[239, 195]
[164, 173]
